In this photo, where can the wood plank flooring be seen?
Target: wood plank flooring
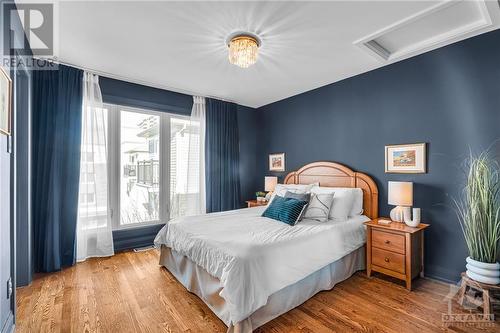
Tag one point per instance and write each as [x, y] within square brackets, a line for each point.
[130, 292]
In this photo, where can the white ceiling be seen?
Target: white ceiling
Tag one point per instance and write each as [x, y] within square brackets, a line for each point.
[181, 45]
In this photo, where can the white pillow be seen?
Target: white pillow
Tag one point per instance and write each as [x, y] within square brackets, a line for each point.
[342, 201]
[281, 189]
[319, 206]
[357, 204]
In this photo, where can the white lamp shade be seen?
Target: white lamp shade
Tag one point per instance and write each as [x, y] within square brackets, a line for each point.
[270, 183]
[400, 194]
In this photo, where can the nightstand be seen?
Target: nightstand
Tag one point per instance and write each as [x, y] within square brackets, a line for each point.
[255, 203]
[395, 249]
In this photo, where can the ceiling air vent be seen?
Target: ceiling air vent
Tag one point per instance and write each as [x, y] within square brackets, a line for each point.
[438, 25]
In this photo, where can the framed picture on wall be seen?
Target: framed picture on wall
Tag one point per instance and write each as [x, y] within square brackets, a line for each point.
[408, 158]
[5, 102]
[277, 162]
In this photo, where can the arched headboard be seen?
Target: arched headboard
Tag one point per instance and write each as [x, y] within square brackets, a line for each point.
[337, 175]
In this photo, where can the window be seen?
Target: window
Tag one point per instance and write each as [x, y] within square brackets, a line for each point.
[147, 165]
[184, 143]
[139, 183]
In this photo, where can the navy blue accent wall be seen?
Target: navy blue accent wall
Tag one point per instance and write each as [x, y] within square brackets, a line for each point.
[449, 98]
[131, 238]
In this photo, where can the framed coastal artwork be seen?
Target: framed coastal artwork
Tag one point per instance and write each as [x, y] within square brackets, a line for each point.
[408, 158]
[277, 162]
[5, 102]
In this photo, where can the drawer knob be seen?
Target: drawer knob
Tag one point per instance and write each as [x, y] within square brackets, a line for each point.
[387, 241]
[386, 259]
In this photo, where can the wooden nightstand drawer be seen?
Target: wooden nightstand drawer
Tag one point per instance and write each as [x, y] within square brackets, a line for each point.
[388, 241]
[395, 249]
[389, 260]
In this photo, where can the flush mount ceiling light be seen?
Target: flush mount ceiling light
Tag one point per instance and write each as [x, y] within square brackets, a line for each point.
[243, 49]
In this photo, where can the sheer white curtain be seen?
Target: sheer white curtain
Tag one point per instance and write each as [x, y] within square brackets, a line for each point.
[94, 236]
[187, 192]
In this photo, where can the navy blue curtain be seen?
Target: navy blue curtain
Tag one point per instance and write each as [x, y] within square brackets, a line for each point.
[222, 156]
[56, 138]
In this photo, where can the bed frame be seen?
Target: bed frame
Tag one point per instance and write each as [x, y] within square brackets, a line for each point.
[337, 175]
[198, 281]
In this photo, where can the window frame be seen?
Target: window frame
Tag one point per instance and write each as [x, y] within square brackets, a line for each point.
[114, 163]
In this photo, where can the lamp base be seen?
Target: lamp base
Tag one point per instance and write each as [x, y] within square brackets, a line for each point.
[397, 213]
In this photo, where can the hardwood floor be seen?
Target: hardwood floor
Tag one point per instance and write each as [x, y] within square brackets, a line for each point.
[130, 292]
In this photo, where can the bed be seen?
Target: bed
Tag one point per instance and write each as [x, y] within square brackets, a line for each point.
[249, 269]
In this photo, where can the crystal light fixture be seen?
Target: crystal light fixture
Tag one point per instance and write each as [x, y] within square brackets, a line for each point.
[243, 50]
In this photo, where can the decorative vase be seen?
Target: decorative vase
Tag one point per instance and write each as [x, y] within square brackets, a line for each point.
[416, 218]
[483, 272]
[259, 199]
[397, 213]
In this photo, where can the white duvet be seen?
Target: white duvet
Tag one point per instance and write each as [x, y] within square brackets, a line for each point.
[254, 256]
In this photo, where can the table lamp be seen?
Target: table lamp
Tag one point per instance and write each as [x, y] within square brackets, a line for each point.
[269, 185]
[400, 194]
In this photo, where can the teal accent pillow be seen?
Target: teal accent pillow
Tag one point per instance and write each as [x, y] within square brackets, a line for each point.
[287, 210]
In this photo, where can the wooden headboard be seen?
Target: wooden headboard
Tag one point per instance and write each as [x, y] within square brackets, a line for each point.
[337, 175]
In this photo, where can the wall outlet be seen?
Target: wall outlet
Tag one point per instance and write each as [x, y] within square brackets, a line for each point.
[9, 287]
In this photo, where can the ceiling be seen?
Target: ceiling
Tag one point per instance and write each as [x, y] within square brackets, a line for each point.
[180, 46]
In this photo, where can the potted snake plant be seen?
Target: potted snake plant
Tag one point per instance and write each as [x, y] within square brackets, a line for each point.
[478, 212]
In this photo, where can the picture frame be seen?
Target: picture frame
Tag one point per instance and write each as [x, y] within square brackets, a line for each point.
[277, 162]
[406, 158]
[5, 102]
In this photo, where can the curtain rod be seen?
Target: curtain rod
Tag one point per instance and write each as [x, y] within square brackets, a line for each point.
[126, 79]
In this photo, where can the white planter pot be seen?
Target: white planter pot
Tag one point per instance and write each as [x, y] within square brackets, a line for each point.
[483, 272]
